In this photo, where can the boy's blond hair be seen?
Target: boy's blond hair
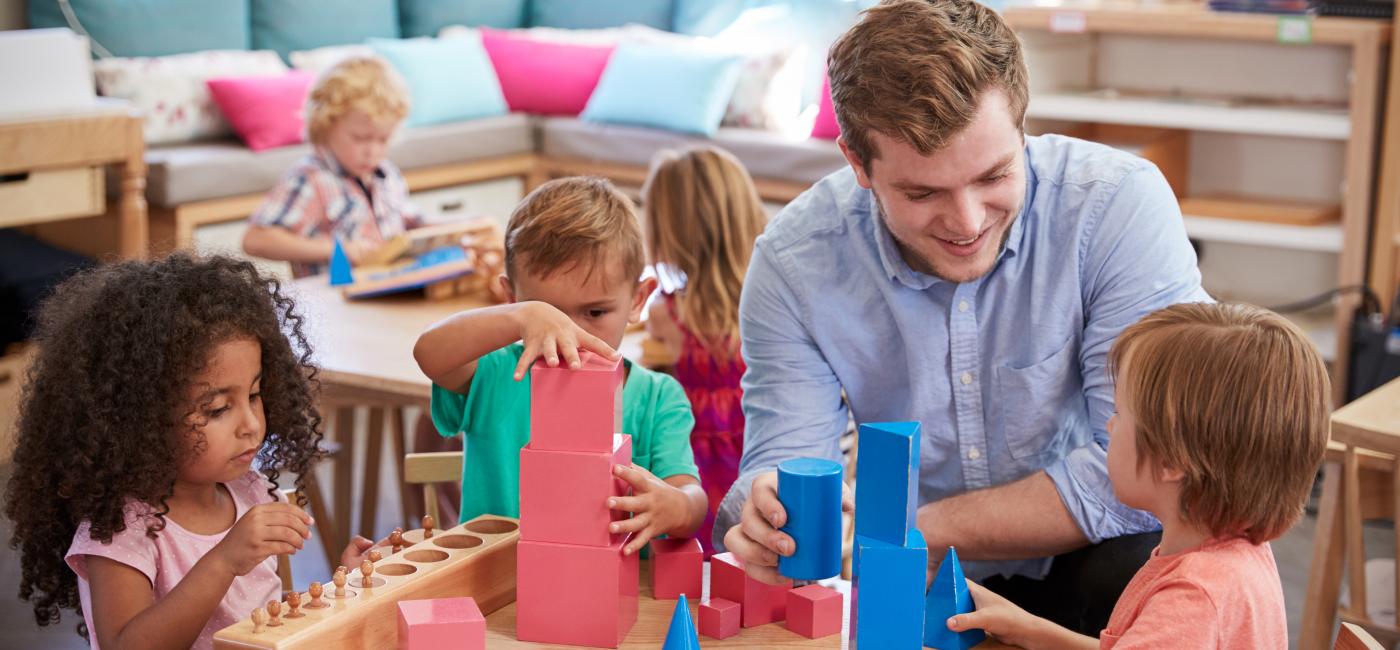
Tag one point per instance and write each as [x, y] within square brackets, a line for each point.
[1236, 398]
[582, 222]
[367, 84]
[703, 215]
[916, 71]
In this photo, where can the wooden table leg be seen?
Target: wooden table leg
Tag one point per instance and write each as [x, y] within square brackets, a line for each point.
[134, 227]
[399, 445]
[1325, 571]
[369, 499]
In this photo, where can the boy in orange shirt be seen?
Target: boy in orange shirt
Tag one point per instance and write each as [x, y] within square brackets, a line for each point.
[1222, 421]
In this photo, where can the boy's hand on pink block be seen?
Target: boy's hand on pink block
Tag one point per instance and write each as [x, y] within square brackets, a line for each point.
[357, 552]
[656, 507]
[265, 530]
[999, 618]
[550, 335]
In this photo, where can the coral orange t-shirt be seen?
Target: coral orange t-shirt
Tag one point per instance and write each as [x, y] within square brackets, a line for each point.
[1224, 594]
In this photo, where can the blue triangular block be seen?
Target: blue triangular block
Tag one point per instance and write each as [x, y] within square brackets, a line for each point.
[949, 597]
[682, 635]
[340, 266]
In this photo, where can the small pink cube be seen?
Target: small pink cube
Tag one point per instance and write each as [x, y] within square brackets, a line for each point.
[441, 624]
[814, 611]
[761, 602]
[719, 618]
[677, 567]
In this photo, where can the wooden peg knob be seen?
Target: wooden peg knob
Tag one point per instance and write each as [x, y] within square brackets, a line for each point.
[375, 555]
[396, 540]
[294, 604]
[428, 523]
[259, 620]
[315, 591]
[274, 610]
[366, 570]
[339, 580]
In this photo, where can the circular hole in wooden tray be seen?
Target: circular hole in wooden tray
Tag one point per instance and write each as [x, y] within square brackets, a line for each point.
[394, 569]
[456, 541]
[425, 556]
[374, 581]
[492, 526]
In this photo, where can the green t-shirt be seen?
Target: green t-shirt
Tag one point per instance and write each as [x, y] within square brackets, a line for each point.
[494, 415]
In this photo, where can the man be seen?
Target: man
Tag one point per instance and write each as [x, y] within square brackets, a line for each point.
[971, 278]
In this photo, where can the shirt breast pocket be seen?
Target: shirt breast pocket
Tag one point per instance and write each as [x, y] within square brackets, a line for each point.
[1036, 402]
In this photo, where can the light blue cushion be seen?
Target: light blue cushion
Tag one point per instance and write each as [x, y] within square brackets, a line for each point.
[597, 14]
[709, 17]
[153, 27]
[664, 86]
[428, 17]
[291, 25]
[450, 79]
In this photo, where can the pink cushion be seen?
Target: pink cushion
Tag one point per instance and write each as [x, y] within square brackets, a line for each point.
[826, 126]
[543, 77]
[265, 111]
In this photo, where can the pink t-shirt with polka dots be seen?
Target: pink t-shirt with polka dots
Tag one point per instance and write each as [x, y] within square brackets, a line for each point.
[166, 559]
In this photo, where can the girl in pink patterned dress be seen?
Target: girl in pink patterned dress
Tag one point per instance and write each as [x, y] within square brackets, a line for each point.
[702, 217]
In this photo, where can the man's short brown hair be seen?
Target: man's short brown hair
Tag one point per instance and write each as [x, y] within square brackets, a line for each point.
[578, 222]
[915, 70]
[1237, 399]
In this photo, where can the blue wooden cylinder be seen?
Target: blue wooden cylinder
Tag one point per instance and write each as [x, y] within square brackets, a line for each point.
[810, 490]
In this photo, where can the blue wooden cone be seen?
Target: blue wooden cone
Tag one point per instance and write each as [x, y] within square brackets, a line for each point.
[682, 635]
[340, 266]
[949, 597]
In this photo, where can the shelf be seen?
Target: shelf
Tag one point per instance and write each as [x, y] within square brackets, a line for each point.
[1197, 116]
[1324, 239]
[1188, 20]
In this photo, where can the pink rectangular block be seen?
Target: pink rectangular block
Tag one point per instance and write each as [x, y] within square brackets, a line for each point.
[564, 494]
[814, 611]
[441, 624]
[719, 618]
[576, 410]
[576, 595]
[677, 567]
[761, 602]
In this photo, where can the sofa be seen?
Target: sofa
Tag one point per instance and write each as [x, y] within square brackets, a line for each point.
[211, 180]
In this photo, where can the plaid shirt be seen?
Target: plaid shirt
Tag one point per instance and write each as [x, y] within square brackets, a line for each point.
[318, 198]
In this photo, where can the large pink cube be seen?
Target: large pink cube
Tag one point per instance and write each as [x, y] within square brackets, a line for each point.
[677, 567]
[575, 595]
[576, 410]
[814, 611]
[719, 618]
[441, 624]
[762, 603]
[564, 494]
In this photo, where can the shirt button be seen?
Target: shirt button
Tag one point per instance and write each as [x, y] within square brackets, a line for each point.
[966, 378]
[974, 454]
[962, 306]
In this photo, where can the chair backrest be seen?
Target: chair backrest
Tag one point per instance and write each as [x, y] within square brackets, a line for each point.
[429, 468]
[1352, 637]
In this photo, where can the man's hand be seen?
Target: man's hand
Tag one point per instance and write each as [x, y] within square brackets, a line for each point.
[756, 539]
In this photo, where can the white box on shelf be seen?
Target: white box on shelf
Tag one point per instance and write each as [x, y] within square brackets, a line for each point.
[43, 72]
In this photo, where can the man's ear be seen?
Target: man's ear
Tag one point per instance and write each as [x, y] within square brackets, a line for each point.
[855, 162]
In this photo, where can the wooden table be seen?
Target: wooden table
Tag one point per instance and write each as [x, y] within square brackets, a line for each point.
[51, 170]
[1373, 419]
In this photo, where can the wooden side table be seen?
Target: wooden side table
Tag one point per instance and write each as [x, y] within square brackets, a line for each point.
[52, 169]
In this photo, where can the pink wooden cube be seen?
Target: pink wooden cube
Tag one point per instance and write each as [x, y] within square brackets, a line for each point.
[814, 611]
[576, 410]
[719, 618]
[575, 595]
[564, 494]
[762, 603]
[677, 567]
[441, 624]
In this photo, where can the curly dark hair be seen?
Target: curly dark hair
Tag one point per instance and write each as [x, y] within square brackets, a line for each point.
[105, 414]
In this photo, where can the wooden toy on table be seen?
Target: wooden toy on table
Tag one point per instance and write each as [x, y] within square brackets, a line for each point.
[315, 591]
[259, 617]
[441, 624]
[760, 603]
[396, 541]
[810, 491]
[274, 612]
[681, 634]
[475, 559]
[719, 618]
[444, 260]
[948, 597]
[294, 604]
[677, 568]
[814, 611]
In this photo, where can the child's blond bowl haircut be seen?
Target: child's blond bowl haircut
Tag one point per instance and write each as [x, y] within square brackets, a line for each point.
[359, 83]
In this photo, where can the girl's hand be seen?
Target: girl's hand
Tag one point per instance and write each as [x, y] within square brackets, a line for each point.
[550, 335]
[999, 618]
[656, 507]
[265, 530]
[357, 552]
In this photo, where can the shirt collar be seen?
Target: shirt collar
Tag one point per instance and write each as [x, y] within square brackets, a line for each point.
[329, 161]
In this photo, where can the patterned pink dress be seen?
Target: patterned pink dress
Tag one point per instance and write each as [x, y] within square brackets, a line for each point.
[712, 385]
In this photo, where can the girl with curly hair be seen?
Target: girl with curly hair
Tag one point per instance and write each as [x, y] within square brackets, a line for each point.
[158, 391]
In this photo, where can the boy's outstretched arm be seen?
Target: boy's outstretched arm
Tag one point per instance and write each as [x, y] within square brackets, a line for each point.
[1012, 625]
[447, 352]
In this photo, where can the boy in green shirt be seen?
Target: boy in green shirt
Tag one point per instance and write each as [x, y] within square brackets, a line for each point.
[574, 259]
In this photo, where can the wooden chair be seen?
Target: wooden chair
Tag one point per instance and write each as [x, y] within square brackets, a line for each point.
[428, 469]
[1351, 637]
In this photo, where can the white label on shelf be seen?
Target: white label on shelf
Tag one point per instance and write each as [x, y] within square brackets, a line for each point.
[1068, 22]
[1294, 29]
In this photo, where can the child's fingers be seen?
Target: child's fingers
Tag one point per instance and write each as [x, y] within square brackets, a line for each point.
[527, 357]
[635, 475]
[286, 520]
[596, 345]
[569, 347]
[627, 504]
[283, 535]
[633, 525]
[550, 349]
[638, 541]
[964, 622]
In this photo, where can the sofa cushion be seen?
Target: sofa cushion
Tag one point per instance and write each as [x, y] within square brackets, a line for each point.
[266, 112]
[152, 27]
[766, 154]
[450, 79]
[207, 170]
[592, 14]
[672, 87]
[289, 25]
[427, 17]
[543, 77]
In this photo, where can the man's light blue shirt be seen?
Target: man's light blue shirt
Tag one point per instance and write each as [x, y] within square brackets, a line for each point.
[1007, 374]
